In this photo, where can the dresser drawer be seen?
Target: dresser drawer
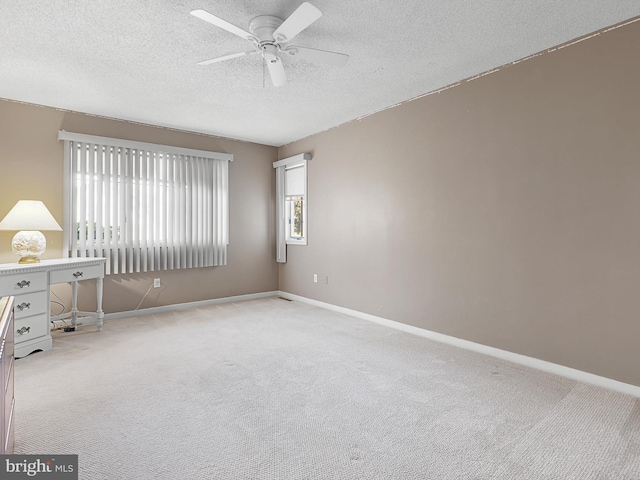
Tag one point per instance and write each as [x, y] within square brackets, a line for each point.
[6, 360]
[8, 395]
[20, 283]
[76, 273]
[30, 304]
[31, 327]
[8, 373]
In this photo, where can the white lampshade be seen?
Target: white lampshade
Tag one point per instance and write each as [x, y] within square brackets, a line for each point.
[29, 216]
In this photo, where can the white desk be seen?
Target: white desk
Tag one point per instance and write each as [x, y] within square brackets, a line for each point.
[29, 284]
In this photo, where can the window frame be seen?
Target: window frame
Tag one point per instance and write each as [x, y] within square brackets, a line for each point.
[282, 216]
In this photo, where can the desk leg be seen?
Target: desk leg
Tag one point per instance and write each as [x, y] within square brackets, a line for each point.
[74, 304]
[99, 311]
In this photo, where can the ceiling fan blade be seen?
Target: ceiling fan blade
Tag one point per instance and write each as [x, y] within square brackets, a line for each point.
[227, 57]
[301, 18]
[218, 22]
[317, 56]
[276, 70]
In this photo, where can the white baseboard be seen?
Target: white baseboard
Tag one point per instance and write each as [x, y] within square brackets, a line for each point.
[185, 306]
[538, 364]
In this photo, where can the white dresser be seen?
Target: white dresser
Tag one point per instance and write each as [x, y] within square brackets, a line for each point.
[29, 284]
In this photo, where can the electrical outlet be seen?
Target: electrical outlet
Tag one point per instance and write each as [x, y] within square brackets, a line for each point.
[156, 283]
[315, 278]
[326, 279]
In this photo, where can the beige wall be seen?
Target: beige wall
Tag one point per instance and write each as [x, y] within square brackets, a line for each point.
[505, 211]
[31, 161]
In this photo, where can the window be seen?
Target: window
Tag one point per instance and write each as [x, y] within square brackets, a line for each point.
[295, 204]
[144, 207]
[291, 203]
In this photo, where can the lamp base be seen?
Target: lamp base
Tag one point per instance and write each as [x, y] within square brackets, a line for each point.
[29, 260]
[29, 244]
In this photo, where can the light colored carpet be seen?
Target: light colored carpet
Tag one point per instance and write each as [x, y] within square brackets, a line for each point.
[270, 389]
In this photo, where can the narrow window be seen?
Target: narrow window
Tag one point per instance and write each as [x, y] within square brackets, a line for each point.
[291, 203]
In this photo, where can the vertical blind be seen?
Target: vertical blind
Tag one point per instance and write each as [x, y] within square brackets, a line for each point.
[145, 207]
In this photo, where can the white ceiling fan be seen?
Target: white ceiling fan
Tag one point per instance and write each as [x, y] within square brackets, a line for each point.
[270, 36]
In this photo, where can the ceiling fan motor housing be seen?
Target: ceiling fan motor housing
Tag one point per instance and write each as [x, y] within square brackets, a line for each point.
[262, 28]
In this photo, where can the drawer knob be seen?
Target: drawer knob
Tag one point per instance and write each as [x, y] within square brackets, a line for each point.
[23, 306]
[23, 330]
[24, 284]
[78, 274]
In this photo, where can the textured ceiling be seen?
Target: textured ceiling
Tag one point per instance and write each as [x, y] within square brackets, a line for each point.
[136, 59]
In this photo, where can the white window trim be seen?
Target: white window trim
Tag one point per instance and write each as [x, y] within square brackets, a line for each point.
[81, 137]
[281, 234]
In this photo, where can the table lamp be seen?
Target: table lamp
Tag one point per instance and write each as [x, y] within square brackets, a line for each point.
[29, 216]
